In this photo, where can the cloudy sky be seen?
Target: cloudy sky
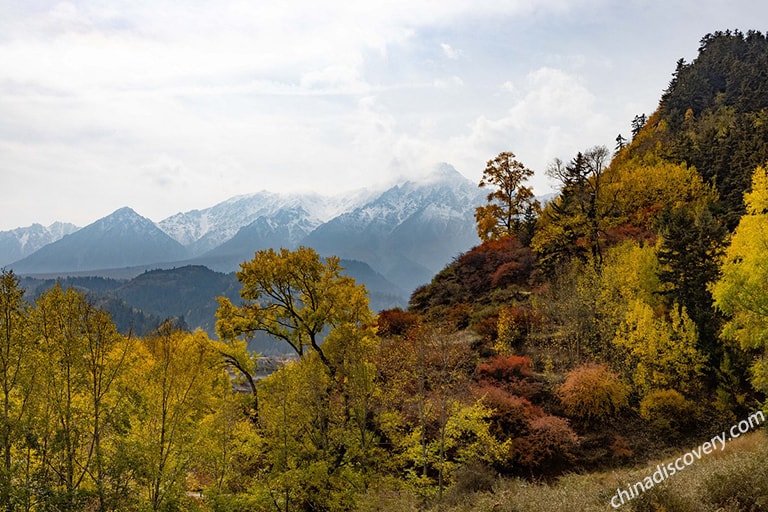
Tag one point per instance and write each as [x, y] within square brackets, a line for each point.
[167, 106]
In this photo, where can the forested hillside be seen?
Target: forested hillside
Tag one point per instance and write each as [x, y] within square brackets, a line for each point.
[583, 345]
[714, 115]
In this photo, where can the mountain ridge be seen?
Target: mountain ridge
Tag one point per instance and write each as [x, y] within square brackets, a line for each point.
[406, 232]
[121, 239]
[204, 230]
[18, 243]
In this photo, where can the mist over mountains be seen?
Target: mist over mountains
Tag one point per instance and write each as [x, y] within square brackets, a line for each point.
[396, 239]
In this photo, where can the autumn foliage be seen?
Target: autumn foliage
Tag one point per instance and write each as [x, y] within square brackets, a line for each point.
[550, 444]
[512, 373]
[667, 410]
[531, 355]
[395, 322]
[510, 388]
[502, 263]
[593, 392]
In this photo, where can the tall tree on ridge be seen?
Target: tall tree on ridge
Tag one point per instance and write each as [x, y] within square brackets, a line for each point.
[511, 205]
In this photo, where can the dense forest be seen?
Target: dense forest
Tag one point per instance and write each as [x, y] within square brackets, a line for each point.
[584, 341]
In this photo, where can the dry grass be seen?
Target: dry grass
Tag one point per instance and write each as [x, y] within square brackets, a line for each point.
[733, 480]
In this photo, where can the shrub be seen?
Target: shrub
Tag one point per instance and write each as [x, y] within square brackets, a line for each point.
[507, 274]
[549, 445]
[395, 322]
[474, 276]
[486, 326]
[511, 327]
[512, 414]
[481, 268]
[620, 448]
[460, 315]
[471, 478]
[505, 368]
[592, 392]
[667, 411]
[513, 373]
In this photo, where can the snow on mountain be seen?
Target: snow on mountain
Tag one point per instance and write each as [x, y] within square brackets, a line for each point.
[407, 232]
[410, 231]
[287, 227]
[21, 242]
[204, 230]
[121, 239]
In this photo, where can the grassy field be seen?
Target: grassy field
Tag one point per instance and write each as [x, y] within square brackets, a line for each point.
[735, 479]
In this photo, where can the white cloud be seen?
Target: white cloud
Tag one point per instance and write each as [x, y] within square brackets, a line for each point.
[509, 86]
[165, 172]
[454, 81]
[553, 114]
[449, 52]
[554, 95]
[170, 105]
[338, 79]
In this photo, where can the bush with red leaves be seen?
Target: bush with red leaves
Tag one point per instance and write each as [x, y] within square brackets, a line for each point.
[494, 264]
[476, 274]
[511, 413]
[549, 446]
[512, 373]
[395, 322]
[505, 368]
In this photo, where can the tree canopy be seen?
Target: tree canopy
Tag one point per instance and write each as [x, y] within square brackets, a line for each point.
[295, 296]
[741, 291]
[511, 206]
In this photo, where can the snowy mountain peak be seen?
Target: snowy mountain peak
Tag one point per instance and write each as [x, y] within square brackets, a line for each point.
[61, 229]
[204, 230]
[444, 172]
[124, 214]
[121, 239]
[124, 220]
[21, 242]
[407, 232]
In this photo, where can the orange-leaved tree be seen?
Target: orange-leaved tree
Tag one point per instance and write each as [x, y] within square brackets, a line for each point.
[511, 208]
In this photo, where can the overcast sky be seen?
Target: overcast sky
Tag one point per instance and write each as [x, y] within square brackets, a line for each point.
[168, 106]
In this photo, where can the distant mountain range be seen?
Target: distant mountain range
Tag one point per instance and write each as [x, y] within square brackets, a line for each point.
[121, 239]
[203, 230]
[21, 242]
[406, 234]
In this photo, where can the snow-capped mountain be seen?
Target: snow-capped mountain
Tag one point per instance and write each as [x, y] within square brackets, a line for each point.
[287, 227]
[21, 242]
[203, 230]
[409, 232]
[121, 239]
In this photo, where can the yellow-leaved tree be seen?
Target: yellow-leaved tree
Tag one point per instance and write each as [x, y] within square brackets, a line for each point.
[182, 385]
[741, 292]
[80, 400]
[18, 367]
[294, 296]
[314, 415]
[661, 351]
